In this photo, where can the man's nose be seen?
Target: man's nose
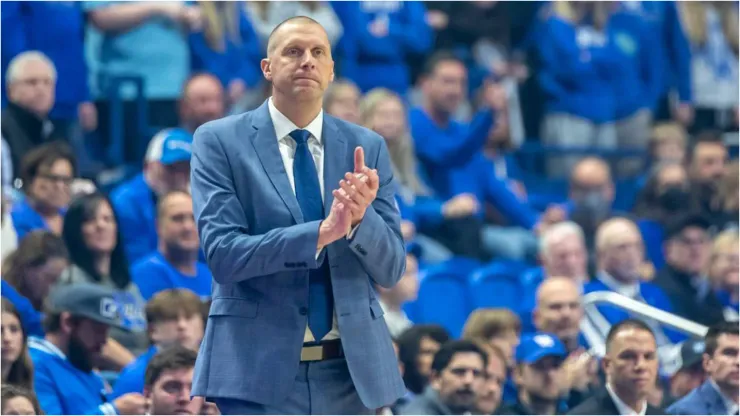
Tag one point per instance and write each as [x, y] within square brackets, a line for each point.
[308, 60]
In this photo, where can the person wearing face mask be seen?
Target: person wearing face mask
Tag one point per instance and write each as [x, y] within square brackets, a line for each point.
[707, 165]
[166, 168]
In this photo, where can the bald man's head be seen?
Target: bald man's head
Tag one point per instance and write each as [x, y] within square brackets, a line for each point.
[620, 249]
[590, 179]
[559, 310]
[202, 101]
[277, 32]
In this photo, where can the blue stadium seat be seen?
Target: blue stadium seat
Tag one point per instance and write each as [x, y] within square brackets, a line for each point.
[498, 285]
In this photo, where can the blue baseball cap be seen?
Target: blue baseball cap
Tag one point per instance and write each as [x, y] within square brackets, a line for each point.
[170, 146]
[534, 347]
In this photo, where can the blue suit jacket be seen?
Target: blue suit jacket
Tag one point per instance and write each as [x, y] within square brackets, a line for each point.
[260, 252]
[703, 400]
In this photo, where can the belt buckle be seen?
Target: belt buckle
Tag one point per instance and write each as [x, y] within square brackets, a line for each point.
[312, 353]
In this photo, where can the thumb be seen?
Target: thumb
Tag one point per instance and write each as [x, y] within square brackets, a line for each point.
[359, 159]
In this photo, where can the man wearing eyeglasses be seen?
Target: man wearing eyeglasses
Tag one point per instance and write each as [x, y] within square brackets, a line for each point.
[687, 246]
[458, 374]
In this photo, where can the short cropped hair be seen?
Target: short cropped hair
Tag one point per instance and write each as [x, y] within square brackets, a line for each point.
[304, 19]
[714, 332]
[447, 352]
[630, 323]
[174, 358]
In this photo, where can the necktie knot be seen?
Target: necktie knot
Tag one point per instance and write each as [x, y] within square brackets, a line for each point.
[300, 136]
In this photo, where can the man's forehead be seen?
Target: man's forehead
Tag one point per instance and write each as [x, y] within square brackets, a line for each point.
[299, 32]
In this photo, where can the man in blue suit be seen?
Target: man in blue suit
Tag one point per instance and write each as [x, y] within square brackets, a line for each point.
[719, 394]
[295, 326]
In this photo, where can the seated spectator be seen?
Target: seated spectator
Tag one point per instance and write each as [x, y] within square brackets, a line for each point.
[342, 100]
[29, 273]
[265, 16]
[175, 264]
[168, 380]
[490, 395]
[620, 254]
[691, 374]
[202, 100]
[228, 47]
[93, 236]
[499, 328]
[723, 273]
[393, 299]
[30, 82]
[19, 401]
[173, 318]
[379, 40]
[726, 203]
[538, 375]
[77, 321]
[559, 311]
[707, 165]
[719, 394]
[458, 376]
[416, 349]
[580, 96]
[16, 363]
[667, 145]
[631, 367]
[687, 250]
[166, 168]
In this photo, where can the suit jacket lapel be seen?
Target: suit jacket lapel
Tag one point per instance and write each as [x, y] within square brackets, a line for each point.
[712, 400]
[266, 146]
[335, 157]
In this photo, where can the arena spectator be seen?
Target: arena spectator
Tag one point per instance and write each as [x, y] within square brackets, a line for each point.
[266, 15]
[722, 271]
[92, 234]
[19, 401]
[666, 193]
[228, 47]
[687, 250]
[30, 81]
[620, 252]
[173, 318]
[712, 31]
[166, 168]
[29, 274]
[668, 143]
[538, 375]
[416, 349]
[719, 394]
[77, 321]
[342, 100]
[202, 100]
[726, 203]
[707, 165]
[168, 380]
[631, 367]
[499, 328]
[392, 300]
[559, 311]
[8, 236]
[379, 38]
[175, 264]
[47, 172]
[490, 395]
[458, 375]
[690, 374]
[16, 363]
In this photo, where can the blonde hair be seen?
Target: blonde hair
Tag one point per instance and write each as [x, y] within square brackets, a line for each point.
[727, 198]
[725, 241]
[668, 131]
[487, 323]
[693, 15]
[574, 11]
[403, 157]
[221, 22]
[335, 87]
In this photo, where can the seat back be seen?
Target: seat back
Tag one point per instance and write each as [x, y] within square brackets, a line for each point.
[498, 285]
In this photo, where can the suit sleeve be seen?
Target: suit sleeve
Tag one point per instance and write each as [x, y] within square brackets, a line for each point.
[378, 243]
[232, 253]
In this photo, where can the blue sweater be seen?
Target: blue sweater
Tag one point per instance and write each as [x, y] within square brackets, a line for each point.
[135, 208]
[372, 61]
[131, 379]
[238, 61]
[577, 70]
[56, 28]
[153, 274]
[30, 317]
[63, 389]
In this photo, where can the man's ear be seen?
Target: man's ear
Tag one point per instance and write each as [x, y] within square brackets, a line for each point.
[266, 71]
[435, 380]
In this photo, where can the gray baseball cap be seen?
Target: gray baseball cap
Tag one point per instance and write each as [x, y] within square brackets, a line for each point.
[87, 300]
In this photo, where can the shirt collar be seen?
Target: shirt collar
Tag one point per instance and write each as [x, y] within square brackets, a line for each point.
[622, 407]
[42, 344]
[630, 290]
[283, 126]
[730, 405]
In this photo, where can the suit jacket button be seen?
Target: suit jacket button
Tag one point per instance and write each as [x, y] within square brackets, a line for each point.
[303, 311]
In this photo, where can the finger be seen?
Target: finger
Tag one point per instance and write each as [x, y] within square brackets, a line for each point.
[373, 180]
[341, 197]
[359, 159]
[352, 193]
[359, 185]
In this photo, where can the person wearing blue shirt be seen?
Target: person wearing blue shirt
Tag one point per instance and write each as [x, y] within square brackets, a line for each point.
[167, 168]
[65, 381]
[175, 264]
[174, 317]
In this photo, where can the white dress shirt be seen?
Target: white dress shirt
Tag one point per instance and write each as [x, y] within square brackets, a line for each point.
[283, 127]
[622, 407]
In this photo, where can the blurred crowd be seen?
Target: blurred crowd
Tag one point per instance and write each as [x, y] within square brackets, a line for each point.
[543, 152]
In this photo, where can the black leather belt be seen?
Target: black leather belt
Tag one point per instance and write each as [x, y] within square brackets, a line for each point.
[326, 350]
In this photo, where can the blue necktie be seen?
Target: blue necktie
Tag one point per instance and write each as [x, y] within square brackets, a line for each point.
[308, 193]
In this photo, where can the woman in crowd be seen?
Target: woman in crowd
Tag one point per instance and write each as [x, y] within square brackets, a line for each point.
[93, 237]
[30, 272]
[17, 368]
[416, 348]
[342, 100]
[723, 272]
[18, 401]
[47, 173]
[726, 201]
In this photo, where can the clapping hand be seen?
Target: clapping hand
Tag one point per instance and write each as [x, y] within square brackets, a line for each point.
[358, 189]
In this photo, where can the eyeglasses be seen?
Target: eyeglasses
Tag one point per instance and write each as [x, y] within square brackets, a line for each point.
[66, 180]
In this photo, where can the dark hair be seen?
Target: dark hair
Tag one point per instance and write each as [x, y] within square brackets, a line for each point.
[43, 157]
[445, 354]
[704, 137]
[409, 343]
[437, 58]
[630, 323]
[714, 332]
[9, 392]
[80, 211]
[34, 250]
[174, 358]
[21, 371]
